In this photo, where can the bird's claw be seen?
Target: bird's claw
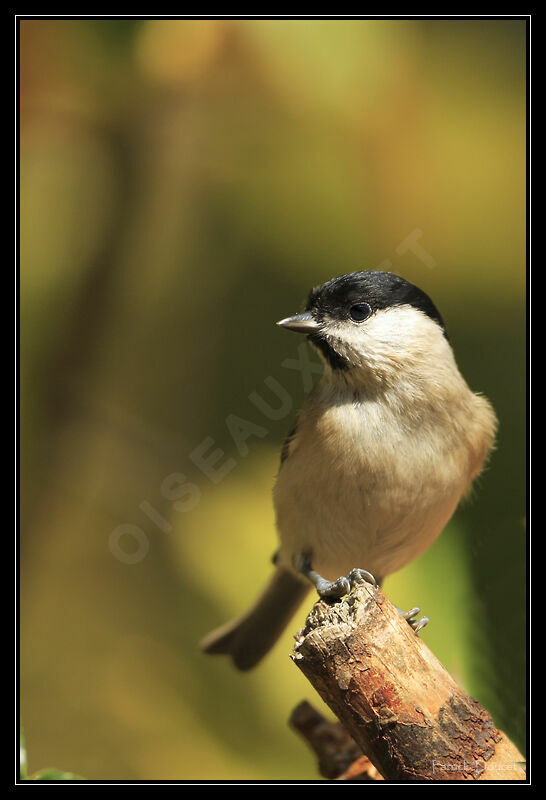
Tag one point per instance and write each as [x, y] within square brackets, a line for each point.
[416, 624]
[357, 575]
[343, 585]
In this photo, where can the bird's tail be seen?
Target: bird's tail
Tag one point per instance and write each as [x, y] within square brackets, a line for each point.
[249, 637]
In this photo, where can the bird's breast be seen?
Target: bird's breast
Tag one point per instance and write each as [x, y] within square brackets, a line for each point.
[360, 488]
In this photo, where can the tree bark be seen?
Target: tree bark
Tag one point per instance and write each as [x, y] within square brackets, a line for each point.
[395, 699]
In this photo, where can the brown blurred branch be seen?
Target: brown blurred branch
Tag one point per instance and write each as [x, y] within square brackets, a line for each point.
[394, 699]
[339, 756]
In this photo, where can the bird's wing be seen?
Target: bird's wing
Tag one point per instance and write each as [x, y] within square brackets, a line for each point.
[288, 440]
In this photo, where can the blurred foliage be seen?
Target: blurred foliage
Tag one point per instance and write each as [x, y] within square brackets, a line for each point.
[44, 774]
[53, 775]
[22, 755]
[183, 184]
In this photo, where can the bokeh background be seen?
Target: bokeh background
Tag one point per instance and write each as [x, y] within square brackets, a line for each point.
[183, 184]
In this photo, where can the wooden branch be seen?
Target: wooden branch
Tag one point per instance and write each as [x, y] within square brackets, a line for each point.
[339, 756]
[395, 699]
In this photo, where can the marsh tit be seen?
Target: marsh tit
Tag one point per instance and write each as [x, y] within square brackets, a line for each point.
[384, 448]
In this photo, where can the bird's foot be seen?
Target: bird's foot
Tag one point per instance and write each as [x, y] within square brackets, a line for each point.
[333, 589]
[340, 587]
[410, 616]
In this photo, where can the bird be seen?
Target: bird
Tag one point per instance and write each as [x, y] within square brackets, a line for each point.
[384, 448]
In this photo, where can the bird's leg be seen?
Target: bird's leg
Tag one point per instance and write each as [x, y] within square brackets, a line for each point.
[329, 589]
[334, 589]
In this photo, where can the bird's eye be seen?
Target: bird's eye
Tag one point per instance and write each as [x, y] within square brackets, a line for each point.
[360, 311]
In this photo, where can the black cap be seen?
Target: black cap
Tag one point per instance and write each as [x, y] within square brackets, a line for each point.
[379, 289]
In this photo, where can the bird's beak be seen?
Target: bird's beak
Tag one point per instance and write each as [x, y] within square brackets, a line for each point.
[300, 323]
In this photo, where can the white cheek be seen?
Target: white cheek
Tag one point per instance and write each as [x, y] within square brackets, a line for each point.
[401, 330]
[396, 326]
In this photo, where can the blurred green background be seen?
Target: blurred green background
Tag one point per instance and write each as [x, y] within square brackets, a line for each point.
[183, 185]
